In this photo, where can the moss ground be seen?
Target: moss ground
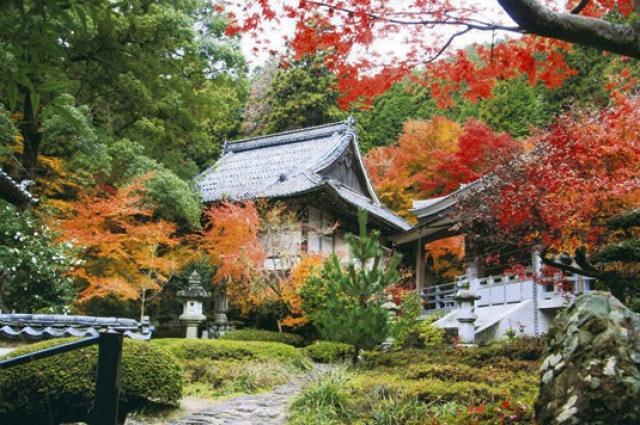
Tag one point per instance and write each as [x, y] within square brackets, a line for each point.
[492, 385]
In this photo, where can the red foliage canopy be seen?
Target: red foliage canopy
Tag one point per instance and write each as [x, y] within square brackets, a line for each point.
[433, 158]
[350, 35]
[581, 171]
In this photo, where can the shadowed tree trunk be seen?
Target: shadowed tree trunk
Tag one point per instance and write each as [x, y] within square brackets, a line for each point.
[31, 135]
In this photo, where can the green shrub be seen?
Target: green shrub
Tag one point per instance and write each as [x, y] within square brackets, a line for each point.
[62, 387]
[261, 335]
[377, 385]
[527, 348]
[328, 351]
[405, 327]
[445, 372]
[431, 335]
[215, 349]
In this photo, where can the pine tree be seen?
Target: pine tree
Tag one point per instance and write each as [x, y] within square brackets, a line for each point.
[345, 303]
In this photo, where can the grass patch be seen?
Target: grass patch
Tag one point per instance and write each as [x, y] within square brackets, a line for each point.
[215, 368]
[437, 385]
[262, 335]
[328, 351]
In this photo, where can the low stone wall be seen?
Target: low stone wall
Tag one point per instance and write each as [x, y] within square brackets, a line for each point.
[591, 373]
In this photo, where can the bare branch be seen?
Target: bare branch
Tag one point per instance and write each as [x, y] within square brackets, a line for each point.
[446, 45]
[451, 21]
[579, 7]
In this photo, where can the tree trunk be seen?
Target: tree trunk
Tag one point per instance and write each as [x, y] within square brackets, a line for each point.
[31, 135]
[535, 17]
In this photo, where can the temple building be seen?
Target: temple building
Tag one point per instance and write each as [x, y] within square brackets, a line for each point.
[317, 172]
[505, 302]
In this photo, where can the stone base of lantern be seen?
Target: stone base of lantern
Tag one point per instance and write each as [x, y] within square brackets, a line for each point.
[220, 326]
[192, 322]
[192, 332]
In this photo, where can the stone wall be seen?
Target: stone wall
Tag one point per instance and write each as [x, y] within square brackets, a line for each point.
[591, 373]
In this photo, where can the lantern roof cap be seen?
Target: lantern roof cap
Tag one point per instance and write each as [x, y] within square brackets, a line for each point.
[195, 289]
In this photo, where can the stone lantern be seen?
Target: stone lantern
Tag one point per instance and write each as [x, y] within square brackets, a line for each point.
[466, 316]
[192, 299]
[392, 310]
[221, 323]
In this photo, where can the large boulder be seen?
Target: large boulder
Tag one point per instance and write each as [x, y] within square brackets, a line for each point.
[590, 374]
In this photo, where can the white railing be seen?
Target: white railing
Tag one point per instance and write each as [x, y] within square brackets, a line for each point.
[504, 289]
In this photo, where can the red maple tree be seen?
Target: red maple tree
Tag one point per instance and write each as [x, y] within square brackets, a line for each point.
[433, 158]
[583, 170]
[347, 33]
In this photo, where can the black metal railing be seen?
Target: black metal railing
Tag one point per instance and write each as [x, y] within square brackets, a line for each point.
[105, 405]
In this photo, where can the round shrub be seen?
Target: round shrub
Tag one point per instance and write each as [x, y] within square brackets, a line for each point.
[261, 335]
[216, 349]
[61, 388]
[328, 351]
[527, 348]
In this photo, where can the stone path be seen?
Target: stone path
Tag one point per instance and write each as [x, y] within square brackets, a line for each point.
[269, 408]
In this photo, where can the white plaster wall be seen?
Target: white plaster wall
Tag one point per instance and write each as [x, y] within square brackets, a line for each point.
[323, 237]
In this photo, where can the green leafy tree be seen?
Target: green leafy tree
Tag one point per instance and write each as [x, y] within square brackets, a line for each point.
[153, 72]
[37, 38]
[381, 124]
[8, 131]
[172, 198]
[33, 266]
[345, 303]
[301, 95]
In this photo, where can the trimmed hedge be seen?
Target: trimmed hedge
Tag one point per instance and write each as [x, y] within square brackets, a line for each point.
[61, 388]
[261, 335]
[216, 349]
[328, 351]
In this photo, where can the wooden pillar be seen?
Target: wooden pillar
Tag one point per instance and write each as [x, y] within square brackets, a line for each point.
[420, 275]
[105, 406]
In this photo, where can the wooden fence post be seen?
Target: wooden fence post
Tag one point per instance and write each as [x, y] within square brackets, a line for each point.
[105, 406]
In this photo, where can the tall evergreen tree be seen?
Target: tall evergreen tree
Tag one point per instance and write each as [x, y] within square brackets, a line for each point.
[345, 303]
[302, 94]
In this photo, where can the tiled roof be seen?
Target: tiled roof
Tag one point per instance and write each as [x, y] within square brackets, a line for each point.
[46, 326]
[13, 191]
[288, 164]
[356, 199]
[424, 208]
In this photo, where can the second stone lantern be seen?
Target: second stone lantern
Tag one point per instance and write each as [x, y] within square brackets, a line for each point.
[192, 299]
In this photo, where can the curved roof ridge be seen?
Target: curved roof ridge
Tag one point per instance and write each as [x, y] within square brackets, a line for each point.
[285, 137]
[15, 192]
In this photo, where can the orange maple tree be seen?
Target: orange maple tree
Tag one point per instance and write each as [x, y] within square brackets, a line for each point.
[432, 158]
[231, 239]
[127, 250]
[289, 289]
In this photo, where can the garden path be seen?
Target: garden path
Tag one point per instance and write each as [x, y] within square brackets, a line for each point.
[269, 408]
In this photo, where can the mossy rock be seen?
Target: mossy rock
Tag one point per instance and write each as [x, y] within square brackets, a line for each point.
[61, 388]
[262, 335]
[328, 351]
[215, 349]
